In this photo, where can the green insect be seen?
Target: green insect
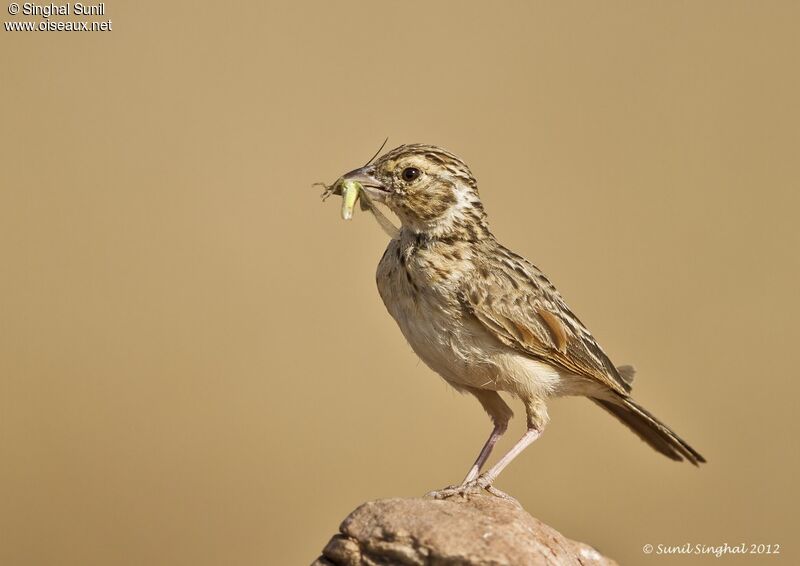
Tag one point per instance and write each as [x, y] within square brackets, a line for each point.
[352, 192]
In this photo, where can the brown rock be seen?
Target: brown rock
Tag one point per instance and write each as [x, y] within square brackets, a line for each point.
[478, 530]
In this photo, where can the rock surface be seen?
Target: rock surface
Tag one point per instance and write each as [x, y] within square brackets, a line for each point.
[479, 529]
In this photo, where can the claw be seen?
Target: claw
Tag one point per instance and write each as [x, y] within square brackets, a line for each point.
[501, 494]
[474, 486]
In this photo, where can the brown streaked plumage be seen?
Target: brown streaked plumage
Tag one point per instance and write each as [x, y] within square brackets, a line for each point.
[484, 318]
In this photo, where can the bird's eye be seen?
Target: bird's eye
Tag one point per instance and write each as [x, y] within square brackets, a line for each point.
[410, 173]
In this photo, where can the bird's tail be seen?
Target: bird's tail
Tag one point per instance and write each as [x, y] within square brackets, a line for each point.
[650, 429]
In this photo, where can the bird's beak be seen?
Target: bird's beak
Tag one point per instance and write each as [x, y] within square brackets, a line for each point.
[366, 176]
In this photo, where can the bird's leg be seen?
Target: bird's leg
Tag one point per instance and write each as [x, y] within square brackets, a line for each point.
[485, 480]
[537, 419]
[473, 482]
[500, 413]
[486, 451]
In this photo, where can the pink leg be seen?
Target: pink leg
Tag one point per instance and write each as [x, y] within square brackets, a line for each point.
[526, 440]
[486, 451]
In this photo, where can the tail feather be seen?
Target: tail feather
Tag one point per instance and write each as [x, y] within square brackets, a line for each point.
[651, 430]
[627, 373]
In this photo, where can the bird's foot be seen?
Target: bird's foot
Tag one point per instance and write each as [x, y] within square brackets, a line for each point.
[453, 490]
[482, 482]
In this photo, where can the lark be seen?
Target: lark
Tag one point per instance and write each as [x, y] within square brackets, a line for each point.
[484, 318]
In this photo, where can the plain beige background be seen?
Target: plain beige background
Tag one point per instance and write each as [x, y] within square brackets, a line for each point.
[195, 366]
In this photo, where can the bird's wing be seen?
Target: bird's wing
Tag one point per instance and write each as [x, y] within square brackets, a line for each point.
[514, 301]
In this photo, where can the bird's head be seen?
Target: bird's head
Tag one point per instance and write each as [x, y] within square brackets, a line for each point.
[431, 190]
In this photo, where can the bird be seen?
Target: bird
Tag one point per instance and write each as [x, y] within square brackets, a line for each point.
[483, 317]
